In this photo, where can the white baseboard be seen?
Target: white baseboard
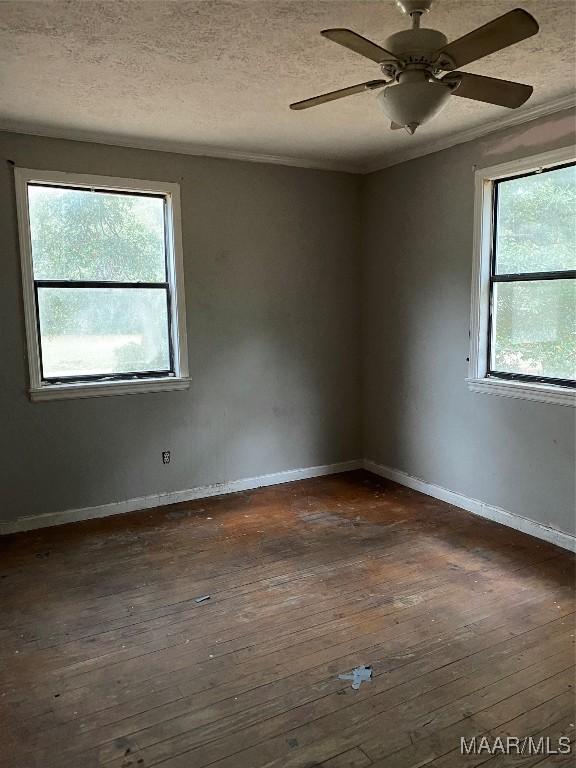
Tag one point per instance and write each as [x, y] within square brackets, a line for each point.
[554, 536]
[173, 497]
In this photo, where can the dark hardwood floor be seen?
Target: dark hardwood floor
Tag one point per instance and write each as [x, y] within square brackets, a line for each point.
[107, 660]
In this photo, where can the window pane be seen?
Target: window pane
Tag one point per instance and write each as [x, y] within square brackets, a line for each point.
[536, 227]
[534, 328]
[86, 331]
[84, 235]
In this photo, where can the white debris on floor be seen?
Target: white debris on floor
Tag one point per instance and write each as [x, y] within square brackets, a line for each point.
[358, 676]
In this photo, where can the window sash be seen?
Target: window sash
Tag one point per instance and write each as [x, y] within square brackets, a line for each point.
[125, 375]
[517, 277]
[566, 274]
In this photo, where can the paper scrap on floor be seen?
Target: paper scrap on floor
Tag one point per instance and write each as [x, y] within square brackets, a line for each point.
[358, 676]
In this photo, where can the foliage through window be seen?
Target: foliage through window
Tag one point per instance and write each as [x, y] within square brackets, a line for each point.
[532, 328]
[101, 265]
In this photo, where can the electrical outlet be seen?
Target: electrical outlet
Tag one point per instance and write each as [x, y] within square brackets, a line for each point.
[165, 457]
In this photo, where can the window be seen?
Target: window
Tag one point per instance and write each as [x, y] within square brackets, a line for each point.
[103, 284]
[523, 329]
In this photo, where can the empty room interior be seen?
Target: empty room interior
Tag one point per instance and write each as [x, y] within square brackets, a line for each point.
[288, 383]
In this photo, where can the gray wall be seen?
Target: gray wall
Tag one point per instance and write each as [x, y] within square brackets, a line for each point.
[272, 274]
[278, 346]
[419, 416]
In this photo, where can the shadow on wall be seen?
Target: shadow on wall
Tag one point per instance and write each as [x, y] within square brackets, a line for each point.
[418, 317]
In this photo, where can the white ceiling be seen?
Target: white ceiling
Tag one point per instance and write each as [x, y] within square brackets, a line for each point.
[215, 77]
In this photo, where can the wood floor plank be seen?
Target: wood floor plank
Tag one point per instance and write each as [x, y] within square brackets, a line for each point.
[106, 660]
[274, 685]
[538, 721]
[320, 717]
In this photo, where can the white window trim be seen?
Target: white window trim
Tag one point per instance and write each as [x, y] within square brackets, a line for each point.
[38, 390]
[478, 380]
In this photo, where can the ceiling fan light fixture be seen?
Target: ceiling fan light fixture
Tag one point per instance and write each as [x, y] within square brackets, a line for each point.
[413, 103]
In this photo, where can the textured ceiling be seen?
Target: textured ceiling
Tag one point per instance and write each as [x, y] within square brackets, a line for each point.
[213, 76]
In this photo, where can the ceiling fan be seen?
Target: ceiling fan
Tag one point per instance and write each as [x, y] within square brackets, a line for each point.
[413, 60]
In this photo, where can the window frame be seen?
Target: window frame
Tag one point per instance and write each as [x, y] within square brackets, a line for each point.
[113, 384]
[480, 377]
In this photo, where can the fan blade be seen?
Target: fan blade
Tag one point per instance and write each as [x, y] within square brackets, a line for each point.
[395, 126]
[369, 86]
[359, 44]
[499, 33]
[505, 93]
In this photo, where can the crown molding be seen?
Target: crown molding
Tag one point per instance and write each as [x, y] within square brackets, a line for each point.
[178, 148]
[181, 148]
[517, 118]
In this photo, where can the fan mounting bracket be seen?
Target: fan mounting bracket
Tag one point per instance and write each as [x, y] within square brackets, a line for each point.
[391, 69]
[444, 62]
[409, 7]
[452, 80]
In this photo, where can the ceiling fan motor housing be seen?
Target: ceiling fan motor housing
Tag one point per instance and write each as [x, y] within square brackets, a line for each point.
[416, 97]
[416, 46]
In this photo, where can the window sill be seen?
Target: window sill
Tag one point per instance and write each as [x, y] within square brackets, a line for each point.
[543, 393]
[106, 388]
